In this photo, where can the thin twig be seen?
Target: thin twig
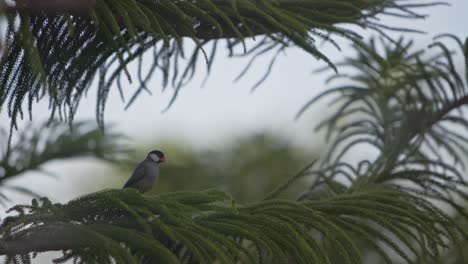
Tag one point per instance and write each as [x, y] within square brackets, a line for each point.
[289, 181]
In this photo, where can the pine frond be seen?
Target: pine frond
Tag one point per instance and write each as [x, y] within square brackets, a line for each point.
[404, 104]
[35, 146]
[59, 54]
[123, 226]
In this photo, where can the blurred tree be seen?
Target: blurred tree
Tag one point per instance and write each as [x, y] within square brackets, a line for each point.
[247, 167]
[401, 102]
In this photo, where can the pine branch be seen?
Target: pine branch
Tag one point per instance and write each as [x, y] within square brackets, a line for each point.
[49, 7]
[50, 238]
[457, 104]
[106, 225]
[36, 146]
[401, 103]
[61, 55]
[394, 100]
[289, 181]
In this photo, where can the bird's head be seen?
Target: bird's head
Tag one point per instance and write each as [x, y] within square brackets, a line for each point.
[157, 156]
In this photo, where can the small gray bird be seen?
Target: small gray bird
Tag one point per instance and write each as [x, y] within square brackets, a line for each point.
[147, 173]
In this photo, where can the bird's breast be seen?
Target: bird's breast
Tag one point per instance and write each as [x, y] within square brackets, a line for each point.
[152, 170]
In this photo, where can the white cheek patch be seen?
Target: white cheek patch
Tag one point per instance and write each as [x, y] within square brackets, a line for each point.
[154, 157]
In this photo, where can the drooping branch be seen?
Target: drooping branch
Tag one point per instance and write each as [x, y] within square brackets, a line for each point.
[402, 104]
[38, 145]
[110, 224]
[46, 238]
[112, 34]
[51, 6]
[206, 29]
[457, 104]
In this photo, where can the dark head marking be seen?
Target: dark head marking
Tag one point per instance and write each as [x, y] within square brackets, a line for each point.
[156, 156]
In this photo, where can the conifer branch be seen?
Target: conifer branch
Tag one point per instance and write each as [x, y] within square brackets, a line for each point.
[113, 34]
[50, 7]
[289, 181]
[449, 108]
[105, 225]
[48, 238]
[35, 146]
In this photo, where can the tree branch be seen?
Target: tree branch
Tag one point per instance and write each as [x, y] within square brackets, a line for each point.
[456, 104]
[50, 6]
[50, 238]
[341, 13]
[289, 181]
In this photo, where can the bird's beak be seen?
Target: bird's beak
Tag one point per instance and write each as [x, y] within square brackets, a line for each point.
[163, 159]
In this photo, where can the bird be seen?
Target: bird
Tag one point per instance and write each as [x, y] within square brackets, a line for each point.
[146, 173]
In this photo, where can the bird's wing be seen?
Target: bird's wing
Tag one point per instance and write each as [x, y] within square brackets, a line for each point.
[137, 175]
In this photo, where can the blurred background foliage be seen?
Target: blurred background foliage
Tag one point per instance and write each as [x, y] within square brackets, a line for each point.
[248, 167]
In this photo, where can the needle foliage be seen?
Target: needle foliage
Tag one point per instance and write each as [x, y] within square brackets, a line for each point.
[35, 146]
[61, 55]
